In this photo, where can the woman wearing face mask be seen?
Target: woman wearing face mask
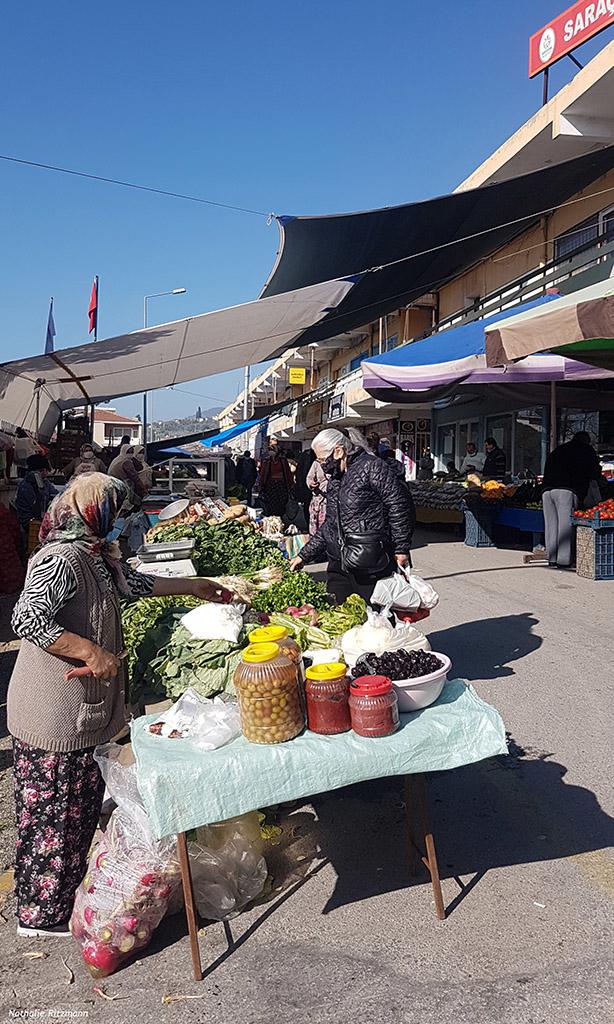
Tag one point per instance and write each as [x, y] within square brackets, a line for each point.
[131, 468]
[85, 462]
[34, 493]
[370, 517]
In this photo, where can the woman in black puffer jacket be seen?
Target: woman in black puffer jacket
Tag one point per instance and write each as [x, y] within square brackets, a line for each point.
[365, 497]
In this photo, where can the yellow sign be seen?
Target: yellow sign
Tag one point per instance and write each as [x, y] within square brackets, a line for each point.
[297, 375]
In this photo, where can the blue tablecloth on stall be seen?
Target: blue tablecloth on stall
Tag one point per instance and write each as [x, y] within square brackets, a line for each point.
[183, 787]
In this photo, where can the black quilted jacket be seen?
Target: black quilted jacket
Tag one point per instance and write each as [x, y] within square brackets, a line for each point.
[372, 498]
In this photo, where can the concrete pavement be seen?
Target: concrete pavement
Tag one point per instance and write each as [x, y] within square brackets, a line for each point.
[524, 843]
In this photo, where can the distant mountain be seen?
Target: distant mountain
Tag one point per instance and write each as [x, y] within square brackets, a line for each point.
[203, 419]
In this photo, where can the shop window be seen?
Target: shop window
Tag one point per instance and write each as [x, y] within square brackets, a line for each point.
[357, 360]
[392, 342]
[500, 427]
[529, 441]
[446, 445]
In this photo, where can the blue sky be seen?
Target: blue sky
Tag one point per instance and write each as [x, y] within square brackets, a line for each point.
[293, 107]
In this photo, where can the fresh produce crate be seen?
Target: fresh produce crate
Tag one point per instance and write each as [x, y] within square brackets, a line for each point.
[594, 548]
[479, 527]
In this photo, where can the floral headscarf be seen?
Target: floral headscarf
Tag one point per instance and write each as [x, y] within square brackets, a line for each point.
[84, 514]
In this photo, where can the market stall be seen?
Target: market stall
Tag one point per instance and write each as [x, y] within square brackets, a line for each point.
[273, 697]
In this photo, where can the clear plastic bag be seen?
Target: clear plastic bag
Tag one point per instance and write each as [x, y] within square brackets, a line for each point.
[404, 590]
[377, 635]
[226, 879]
[207, 723]
[130, 877]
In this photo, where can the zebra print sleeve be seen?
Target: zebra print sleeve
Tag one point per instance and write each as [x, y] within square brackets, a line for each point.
[49, 585]
[140, 583]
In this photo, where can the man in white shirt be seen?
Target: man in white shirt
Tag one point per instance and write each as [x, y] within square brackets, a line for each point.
[473, 461]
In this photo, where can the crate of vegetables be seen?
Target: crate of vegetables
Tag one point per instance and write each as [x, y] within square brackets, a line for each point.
[595, 541]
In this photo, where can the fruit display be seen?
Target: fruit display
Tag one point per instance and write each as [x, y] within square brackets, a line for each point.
[123, 897]
[397, 665]
[269, 697]
[604, 510]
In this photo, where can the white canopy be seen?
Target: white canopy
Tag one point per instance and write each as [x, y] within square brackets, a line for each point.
[34, 391]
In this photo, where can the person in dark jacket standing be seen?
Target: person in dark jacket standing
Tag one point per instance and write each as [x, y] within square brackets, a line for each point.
[34, 493]
[495, 463]
[247, 471]
[276, 481]
[304, 493]
[366, 499]
[569, 470]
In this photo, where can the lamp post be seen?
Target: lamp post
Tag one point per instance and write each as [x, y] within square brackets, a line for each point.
[154, 295]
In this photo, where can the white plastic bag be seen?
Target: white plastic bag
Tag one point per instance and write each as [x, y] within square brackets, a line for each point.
[404, 590]
[208, 723]
[215, 622]
[130, 877]
[377, 635]
[225, 880]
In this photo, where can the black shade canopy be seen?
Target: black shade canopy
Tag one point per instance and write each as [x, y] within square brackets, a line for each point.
[477, 222]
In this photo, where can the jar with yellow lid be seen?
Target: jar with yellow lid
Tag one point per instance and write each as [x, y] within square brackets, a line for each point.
[267, 686]
[277, 635]
[327, 690]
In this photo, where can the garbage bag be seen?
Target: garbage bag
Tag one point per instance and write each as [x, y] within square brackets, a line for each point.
[130, 877]
[226, 879]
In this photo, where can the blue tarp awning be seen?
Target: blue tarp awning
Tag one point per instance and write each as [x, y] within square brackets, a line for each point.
[227, 435]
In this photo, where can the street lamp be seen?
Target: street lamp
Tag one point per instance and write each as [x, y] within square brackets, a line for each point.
[154, 295]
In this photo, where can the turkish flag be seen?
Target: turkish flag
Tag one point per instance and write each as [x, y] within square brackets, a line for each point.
[92, 311]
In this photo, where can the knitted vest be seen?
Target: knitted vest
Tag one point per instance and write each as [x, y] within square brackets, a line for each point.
[46, 711]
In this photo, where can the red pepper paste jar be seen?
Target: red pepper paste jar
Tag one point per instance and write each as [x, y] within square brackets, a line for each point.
[327, 692]
[374, 706]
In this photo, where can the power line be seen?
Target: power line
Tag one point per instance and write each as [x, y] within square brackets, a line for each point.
[132, 184]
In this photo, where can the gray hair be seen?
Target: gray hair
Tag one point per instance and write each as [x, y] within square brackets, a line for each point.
[327, 440]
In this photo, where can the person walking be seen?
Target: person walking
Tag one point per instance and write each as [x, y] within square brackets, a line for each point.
[569, 471]
[246, 472]
[276, 481]
[370, 516]
[495, 463]
[68, 616]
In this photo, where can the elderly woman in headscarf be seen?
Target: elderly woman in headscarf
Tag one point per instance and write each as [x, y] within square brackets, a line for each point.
[370, 516]
[85, 462]
[130, 466]
[66, 694]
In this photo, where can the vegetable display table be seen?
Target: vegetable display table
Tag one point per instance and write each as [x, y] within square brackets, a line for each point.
[527, 520]
[183, 787]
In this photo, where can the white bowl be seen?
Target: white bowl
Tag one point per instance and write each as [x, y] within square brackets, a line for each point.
[418, 693]
[176, 508]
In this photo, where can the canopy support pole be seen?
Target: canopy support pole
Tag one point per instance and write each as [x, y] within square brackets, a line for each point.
[246, 393]
[553, 434]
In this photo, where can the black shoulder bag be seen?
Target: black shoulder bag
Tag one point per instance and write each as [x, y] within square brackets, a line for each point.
[362, 554]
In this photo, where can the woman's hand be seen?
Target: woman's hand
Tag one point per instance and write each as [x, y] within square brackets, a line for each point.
[402, 561]
[206, 590]
[296, 563]
[101, 664]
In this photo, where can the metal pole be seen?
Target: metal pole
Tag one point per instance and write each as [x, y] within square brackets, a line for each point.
[246, 393]
[545, 93]
[553, 431]
[145, 393]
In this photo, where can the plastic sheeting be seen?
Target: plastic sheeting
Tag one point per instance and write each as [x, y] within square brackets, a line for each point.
[182, 787]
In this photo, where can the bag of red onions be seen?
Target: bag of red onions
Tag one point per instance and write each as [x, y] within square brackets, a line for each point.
[130, 879]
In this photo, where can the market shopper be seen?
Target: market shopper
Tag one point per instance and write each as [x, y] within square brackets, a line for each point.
[370, 516]
[276, 481]
[304, 494]
[495, 463]
[569, 472]
[25, 446]
[35, 492]
[85, 462]
[68, 616]
[247, 471]
[317, 482]
[130, 467]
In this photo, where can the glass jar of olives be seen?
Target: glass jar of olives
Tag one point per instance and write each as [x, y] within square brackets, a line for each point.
[280, 636]
[267, 686]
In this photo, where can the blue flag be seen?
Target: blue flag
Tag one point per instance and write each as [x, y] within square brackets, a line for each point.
[50, 331]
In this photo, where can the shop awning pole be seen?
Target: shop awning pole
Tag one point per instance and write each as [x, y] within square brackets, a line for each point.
[553, 434]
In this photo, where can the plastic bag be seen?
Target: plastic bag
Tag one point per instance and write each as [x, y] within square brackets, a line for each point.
[225, 880]
[377, 635]
[404, 590]
[209, 724]
[215, 622]
[130, 877]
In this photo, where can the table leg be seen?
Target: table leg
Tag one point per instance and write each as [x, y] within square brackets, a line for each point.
[416, 797]
[412, 852]
[190, 909]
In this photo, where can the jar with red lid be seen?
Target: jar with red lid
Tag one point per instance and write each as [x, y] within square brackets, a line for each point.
[327, 692]
[374, 706]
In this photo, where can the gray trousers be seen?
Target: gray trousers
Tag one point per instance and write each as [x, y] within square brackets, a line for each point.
[558, 507]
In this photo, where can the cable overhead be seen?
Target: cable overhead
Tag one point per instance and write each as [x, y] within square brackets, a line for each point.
[132, 184]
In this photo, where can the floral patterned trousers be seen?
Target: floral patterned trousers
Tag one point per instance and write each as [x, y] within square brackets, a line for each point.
[58, 798]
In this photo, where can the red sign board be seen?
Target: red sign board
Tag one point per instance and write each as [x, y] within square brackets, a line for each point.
[577, 24]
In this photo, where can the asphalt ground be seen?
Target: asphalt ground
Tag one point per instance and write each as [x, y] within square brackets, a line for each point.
[524, 844]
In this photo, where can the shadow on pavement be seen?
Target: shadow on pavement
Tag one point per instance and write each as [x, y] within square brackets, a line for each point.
[505, 811]
[483, 648]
